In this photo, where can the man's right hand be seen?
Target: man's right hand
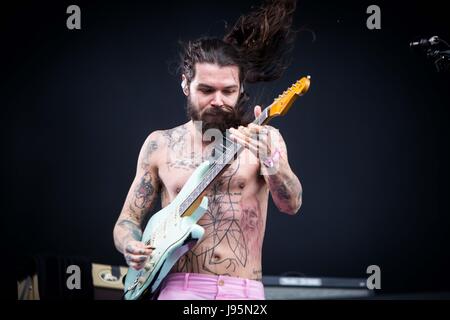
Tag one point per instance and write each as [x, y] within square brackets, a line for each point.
[137, 253]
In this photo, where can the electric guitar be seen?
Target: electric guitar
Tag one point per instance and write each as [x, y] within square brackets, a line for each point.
[173, 230]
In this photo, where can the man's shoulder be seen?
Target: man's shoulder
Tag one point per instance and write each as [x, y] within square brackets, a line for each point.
[162, 136]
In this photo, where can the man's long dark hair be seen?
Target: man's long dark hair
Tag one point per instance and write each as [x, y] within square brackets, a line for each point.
[259, 43]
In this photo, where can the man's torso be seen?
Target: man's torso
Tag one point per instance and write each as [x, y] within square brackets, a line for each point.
[235, 220]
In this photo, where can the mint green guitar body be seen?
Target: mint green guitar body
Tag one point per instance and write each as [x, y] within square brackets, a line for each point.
[172, 235]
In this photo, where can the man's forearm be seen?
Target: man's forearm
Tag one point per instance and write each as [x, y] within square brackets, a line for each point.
[124, 231]
[285, 188]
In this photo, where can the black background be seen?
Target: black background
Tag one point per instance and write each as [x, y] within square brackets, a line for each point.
[369, 141]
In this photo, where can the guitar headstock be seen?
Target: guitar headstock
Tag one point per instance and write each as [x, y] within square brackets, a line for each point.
[281, 105]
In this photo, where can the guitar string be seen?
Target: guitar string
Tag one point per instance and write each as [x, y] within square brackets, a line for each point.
[214, 165]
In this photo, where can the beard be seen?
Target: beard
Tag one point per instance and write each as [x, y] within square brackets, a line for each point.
[220, 118]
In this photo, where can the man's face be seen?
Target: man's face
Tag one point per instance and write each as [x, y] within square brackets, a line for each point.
[213, 94]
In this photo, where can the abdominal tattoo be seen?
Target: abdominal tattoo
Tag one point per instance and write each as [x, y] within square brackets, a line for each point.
[222, 228]
[227, 224]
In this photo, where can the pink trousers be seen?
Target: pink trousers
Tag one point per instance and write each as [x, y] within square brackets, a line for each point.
[195, 286]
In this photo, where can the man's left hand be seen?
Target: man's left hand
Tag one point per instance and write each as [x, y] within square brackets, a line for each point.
[254, 137]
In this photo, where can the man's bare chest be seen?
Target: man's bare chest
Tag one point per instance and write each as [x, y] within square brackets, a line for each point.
[238, 176]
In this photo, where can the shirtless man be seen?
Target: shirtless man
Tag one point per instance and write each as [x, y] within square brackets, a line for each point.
[226, 262]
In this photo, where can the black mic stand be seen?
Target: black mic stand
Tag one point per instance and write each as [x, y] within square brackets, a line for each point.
[440, 57]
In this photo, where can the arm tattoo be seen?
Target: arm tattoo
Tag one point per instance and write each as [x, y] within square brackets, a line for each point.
[144, 192]
[132, 228]
[283, 193]
[151, 147]
[281, 188]
[140, 201]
